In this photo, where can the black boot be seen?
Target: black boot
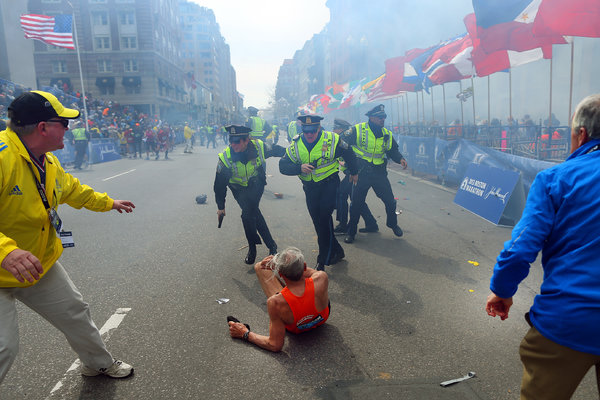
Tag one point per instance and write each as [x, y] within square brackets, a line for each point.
[251, 256]
[273, 249]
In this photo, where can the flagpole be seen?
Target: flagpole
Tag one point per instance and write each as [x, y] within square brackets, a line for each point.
[473, 98]
[423, 105]
[571, 84]
[417, 97]
[407, 112]
[444, 94]
[550, 108]
[432, 110]
[85, 111]
[462, 114]
[488, 94]
[510, 93]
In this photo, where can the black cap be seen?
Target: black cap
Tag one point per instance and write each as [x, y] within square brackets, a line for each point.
[36, 106]
[310, 119]
[252, 110]
[237, 130]
[378, 111]
[341, 124]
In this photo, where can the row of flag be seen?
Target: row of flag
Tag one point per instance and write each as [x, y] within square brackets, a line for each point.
[501, 34]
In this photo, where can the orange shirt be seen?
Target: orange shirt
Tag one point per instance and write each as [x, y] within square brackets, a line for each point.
[306, 316]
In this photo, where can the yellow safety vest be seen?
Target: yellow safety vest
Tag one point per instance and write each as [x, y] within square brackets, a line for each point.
[370, 148]
[257, 126]
[292, 131]
[79, 134]
[323, 153]
[240, 172]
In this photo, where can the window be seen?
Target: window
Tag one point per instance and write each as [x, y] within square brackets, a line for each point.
[104, 66]
[101, 43]
[99, 18]
[106, 89]
[205, 55]
[132, 90]
[59, 67]
[128, 42]
[127, 18]
[130, 65]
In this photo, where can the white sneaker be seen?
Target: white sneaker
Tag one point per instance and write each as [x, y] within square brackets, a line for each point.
[118, 369]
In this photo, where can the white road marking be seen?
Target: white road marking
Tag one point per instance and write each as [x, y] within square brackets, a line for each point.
[115, 176]
[441, 187]
[110, 325]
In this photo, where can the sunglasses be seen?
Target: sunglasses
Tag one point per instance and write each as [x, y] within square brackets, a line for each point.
[64, 122]
[235, 140]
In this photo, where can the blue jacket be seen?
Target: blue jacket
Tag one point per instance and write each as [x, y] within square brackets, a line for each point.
[561, 218]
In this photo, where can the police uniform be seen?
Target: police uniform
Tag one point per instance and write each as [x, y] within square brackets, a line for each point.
[259, 128]
[80, 138]
[373, 145]
[320, 185]
[245, 175]
[345, 191]
[293, 129]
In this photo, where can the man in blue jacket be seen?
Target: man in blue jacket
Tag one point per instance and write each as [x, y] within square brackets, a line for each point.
[562, 219]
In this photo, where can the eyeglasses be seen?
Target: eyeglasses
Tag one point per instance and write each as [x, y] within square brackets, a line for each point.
[64, 122]
[235, 140]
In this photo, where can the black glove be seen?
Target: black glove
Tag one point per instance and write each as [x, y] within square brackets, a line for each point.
[234, 319]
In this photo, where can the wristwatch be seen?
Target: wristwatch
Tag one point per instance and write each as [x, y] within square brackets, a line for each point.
[245, 337]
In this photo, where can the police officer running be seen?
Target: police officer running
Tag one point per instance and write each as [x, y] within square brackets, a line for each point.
[341, 127]
[373, 144]
[259, 128]
[313, 156]
[242, 167]
[80, 141]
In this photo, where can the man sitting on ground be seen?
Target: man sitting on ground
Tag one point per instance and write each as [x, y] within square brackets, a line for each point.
[302, 305]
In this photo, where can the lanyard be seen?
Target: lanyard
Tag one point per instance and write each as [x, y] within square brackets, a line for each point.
[41, 190]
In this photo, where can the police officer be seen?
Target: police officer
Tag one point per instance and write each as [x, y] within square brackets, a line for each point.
[259, 128]
[373, 144]
[341, 127]
[80, 141]
[241, 166]
[313, 156]
[294, 128]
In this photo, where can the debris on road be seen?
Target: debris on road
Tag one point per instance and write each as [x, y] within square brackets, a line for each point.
[474, 263]
[453, 381]
[222, 301]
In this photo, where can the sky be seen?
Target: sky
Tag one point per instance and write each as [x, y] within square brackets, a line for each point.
[261, 34]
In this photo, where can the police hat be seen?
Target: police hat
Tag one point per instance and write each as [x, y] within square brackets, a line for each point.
[252, 110]
[340, 124]
[37, 106]
[237, 130]
[310, 119]
[378, 112]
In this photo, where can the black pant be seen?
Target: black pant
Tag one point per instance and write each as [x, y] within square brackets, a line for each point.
[80, 150]
[345, 191]
[252, 219]
[320, 200]
[209, 139]
[375, 178]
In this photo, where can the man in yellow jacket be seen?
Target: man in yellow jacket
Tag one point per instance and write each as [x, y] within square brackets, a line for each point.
[32, 185]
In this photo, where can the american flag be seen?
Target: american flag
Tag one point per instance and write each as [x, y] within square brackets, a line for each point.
[56, 30]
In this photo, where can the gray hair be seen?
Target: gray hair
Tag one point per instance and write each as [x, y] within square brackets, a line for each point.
[587, 115]
[20, 130]
[289, 263]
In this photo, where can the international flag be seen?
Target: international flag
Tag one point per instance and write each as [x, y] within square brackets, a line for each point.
[568, 17]
[56, 30]
[450, 62]
[400, 75]
[487, 63]
[508, 25]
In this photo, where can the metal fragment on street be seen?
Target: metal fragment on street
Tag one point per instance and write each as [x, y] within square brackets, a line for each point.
[222, 301]
[453, 381]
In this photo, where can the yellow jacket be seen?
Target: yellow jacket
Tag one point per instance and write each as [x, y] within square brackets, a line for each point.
[24, 221]
[188, 132]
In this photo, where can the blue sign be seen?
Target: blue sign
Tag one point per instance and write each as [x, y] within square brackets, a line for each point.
[102, 150]
[486, 191]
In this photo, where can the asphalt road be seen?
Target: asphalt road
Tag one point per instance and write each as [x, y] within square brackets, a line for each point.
[407, 313]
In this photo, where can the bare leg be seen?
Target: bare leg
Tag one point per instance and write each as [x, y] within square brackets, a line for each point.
[268, 281]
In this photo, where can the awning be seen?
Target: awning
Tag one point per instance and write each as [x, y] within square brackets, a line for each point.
[106, 81]
[132, 81]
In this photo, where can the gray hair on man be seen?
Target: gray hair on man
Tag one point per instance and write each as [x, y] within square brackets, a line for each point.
[587, 115]
[289, 263]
